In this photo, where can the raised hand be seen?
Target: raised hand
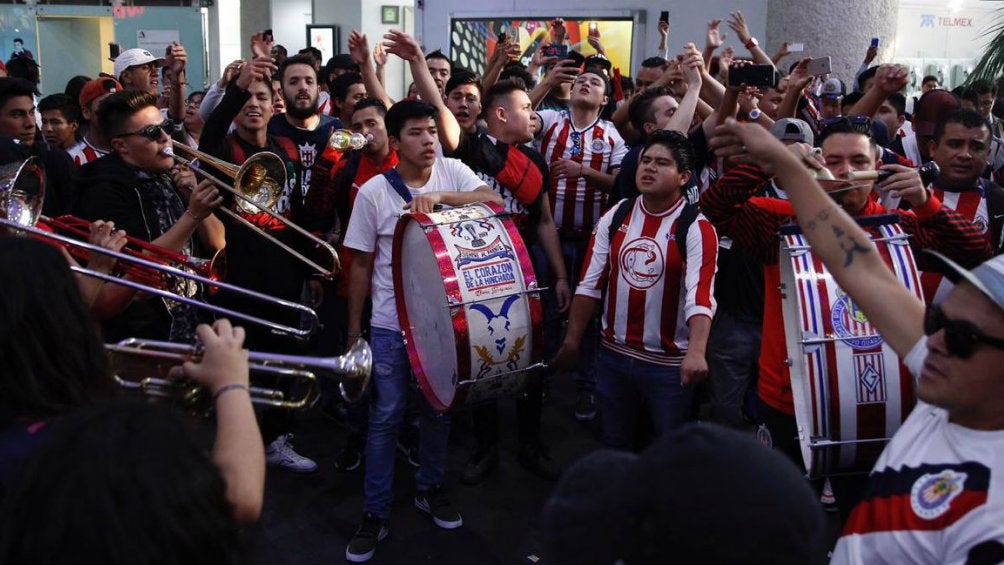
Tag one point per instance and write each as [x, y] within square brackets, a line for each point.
[403, 45]
[715, 38]
[359, 48]
[177, 58]
[738, 24]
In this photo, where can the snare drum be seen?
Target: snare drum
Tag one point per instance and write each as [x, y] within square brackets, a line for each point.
[468, 302]
[850, 390]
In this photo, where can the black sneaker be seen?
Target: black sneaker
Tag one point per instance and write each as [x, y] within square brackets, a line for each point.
[479, 466]
[436, 504]
[535, 458]
[348, 459]
[585, 407]
[363, 544]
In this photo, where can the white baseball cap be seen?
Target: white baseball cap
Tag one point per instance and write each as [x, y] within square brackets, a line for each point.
[134, 57]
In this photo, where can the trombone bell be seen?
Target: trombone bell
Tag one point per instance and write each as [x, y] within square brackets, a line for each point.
[22, 191]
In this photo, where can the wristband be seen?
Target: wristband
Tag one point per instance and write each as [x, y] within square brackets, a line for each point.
[229, 387]
[194, 217]
[752, 43]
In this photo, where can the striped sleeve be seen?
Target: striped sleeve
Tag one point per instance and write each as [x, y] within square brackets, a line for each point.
[948, 232]
[595, 267]
[701, 266]
[751, 222]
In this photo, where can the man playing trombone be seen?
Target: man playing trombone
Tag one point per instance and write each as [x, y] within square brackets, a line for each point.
[139, 188]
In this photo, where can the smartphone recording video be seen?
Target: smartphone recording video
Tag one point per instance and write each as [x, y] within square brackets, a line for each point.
[760, 76]
[560, 51]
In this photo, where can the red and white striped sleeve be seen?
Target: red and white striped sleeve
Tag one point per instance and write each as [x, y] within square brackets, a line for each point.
[701, 266]
[595, 266]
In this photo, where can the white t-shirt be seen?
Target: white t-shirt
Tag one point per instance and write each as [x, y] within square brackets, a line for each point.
[374, 218]
[936, 492]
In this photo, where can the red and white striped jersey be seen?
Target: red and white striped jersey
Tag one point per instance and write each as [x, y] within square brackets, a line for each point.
[973, 206]
[83, 152]
[575, 204]
[651, 292]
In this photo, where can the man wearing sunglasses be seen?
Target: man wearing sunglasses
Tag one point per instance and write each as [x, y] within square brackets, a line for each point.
[936, 494]
[139, 188]
[735, 208]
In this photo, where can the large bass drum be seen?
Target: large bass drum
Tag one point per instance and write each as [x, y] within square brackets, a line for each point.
[468, 302]
[851, 391]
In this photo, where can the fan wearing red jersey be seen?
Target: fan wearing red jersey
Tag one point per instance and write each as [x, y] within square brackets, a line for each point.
[584, 153]
[657, 302]
[960, 148]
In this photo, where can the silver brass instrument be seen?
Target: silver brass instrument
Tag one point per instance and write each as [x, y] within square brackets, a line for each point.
[282, 381]
[257, 186]
[21, 195]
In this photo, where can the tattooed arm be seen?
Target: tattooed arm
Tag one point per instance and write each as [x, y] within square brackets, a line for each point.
[835, 237]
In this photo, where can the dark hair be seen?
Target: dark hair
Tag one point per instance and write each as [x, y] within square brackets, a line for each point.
[18, 40]
[462, 77]
[520, 74]
[314, 53]
[53, 360]
[130, 484]
[898, 102]
[24, 68]
[339, 86]
[66, 106]
[371, 103]
[499, 90]
[405, 110]
[640, 109]
[655, 63]
[929, 78]
[851, 99]
[865, 75]
[969, 95]
[984, 87]
[965, 118]
[11, 87]
[201, 93]
[117, 108]
[294, 60]
[75, 85]
[861, 125]
[678, 145]
[437, 54]
[281, 49]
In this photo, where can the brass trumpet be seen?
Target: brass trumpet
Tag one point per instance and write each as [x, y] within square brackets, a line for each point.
[282, 381]
[257, 186]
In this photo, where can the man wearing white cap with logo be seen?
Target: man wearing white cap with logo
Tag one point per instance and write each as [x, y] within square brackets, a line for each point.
[830, 96]
[936, 494]
[137, 68]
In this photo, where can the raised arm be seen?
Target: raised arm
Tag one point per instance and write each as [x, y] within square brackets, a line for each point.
[888, 79]
[712, 41]
[563, 71]
[504, 52]
[359, 48]
[797, 81]
[404, 46]
[738, 24]
[238, 452]
[835, 237]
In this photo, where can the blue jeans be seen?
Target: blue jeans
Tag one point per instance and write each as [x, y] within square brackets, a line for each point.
[624, 384]
[733, 352]
[391, 374]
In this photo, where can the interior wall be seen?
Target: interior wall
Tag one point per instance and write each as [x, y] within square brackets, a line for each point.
[289, 23]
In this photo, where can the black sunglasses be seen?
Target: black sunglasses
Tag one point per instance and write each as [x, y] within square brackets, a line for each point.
[153, 132]
[857, 124]
[961, 337]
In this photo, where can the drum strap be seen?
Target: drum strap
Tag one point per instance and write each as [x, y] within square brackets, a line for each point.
[687, 217]
[397, 182]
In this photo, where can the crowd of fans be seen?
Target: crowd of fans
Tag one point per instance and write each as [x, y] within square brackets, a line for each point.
[650, 205]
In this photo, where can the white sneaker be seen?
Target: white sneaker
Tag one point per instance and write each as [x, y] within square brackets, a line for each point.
[280, 452]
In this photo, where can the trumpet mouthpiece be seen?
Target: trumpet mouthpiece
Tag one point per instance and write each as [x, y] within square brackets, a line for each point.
[167, 152]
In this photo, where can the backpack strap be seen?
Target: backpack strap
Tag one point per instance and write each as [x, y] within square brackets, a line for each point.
[397, 182]
[995, 209]
[618, 218]
[683, 223]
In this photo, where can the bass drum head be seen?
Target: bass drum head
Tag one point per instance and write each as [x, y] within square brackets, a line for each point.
[424, 315]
